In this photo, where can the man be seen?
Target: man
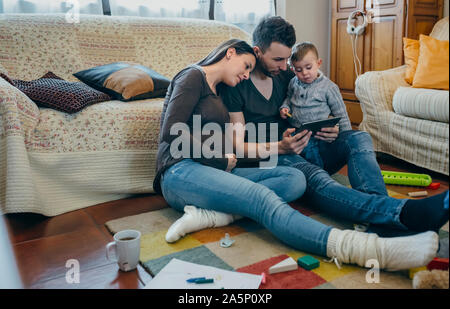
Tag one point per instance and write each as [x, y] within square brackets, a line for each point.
[257, 101]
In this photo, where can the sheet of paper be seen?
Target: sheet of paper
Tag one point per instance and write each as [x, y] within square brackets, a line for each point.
[176, 272]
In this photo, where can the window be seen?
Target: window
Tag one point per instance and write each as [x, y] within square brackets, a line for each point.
[51, 6]
[243, 13]
[161, 8]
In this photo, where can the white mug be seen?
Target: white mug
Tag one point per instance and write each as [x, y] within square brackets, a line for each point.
[127, 247]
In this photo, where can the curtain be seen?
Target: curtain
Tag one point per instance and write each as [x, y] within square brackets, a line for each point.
[161, 8]
[51, 6]
[243, 13]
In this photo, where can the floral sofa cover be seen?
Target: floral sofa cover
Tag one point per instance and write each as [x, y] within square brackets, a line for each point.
[52, 162]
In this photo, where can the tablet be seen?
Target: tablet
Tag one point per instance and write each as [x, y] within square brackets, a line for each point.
[315, 126]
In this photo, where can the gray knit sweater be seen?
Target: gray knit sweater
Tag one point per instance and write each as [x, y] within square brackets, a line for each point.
[315, 101]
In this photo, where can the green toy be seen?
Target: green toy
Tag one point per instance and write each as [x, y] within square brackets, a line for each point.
[308, 262]
[409, 179]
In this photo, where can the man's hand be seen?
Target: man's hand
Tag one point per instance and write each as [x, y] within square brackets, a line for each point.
[328, 134]
[231, 161]
[284, 113]
[293, 144]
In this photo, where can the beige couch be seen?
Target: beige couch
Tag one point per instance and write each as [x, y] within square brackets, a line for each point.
[52, 162]
[408, 123]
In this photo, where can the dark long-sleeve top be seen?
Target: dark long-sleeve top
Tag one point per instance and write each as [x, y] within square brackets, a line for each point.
[188, 98]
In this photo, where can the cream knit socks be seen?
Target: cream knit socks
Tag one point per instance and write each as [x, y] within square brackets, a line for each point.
[394, 253]
[195, 219]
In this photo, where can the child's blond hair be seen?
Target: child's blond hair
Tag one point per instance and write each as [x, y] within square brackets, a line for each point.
[301, 49]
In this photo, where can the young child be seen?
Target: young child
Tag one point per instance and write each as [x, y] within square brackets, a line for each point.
[312, 96]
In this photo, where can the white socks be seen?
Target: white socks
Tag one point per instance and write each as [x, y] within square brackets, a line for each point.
[348, 246]
[195, 219]
[394, 253]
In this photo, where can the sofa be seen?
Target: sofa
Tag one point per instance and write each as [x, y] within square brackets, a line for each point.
[52, 162]
[408, 123]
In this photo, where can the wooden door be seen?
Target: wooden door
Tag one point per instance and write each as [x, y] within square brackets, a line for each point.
[378, 48]
[383, 43]
[422, 15]
[342, 70]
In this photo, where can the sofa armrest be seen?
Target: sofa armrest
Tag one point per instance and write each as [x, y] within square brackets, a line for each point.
[375, 90]
[19, 115]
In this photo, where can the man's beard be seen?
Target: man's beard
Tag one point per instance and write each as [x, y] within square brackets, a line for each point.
[263, 69]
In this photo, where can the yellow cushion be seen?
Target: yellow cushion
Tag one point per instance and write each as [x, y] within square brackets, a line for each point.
[411, 51]
[432, 67]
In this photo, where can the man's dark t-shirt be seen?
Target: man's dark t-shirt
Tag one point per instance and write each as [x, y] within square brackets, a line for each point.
[246, 98]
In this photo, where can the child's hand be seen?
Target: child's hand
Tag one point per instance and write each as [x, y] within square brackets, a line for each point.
[328, 134]
[284, 113]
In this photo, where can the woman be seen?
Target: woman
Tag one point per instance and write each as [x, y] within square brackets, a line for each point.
[185, 177]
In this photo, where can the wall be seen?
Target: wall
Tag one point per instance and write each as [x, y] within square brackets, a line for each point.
[311, 20]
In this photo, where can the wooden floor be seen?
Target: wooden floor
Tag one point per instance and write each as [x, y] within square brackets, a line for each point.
[42, 245]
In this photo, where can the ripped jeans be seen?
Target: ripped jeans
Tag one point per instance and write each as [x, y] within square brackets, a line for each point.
[259, 194]
[367, 201]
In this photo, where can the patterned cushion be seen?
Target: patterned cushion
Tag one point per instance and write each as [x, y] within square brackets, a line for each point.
[6, 77]
[54, 92]
[125, 81]
[428, 104]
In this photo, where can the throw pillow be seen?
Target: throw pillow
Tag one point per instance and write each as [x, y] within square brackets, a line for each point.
[411, 51]
[125, 81]
[432, 67]
[54, 92]
[6, 77]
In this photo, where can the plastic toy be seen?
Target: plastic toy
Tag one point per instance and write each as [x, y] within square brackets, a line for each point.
[285, 265]
[418, 193]
[434, 186]
[438, 263]
[409, 179]
[226, 241]
[413, 271]
[308, 262]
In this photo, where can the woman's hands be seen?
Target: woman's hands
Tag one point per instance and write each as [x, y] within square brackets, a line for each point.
[231, 161]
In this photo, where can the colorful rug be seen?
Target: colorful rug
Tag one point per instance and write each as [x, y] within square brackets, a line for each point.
[255, 249]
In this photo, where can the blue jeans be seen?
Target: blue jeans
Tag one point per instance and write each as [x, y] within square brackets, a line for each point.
[259, 194]
[367, 201]
[312, 152]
